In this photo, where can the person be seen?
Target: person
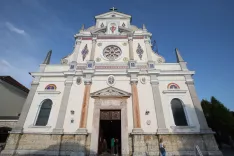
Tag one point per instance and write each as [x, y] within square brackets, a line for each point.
[104, 145]
[112, 145]
[117, 146]
[162, 147]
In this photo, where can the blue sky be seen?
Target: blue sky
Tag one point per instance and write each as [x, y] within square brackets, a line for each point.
[202, 30]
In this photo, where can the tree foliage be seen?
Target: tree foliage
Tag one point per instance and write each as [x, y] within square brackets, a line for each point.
[219, 118]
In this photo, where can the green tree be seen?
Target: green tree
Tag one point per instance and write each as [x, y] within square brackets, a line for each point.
[219, 118]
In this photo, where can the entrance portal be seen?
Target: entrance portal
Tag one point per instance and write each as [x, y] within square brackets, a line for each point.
[109, 131]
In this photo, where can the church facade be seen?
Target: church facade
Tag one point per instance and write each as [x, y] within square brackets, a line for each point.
[113, 85]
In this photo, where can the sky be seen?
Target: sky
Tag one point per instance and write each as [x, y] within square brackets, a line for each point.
[203, 31]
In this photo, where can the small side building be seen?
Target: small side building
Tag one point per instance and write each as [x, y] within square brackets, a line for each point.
[12, 98]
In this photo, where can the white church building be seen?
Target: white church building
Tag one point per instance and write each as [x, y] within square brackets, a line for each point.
[112, 85]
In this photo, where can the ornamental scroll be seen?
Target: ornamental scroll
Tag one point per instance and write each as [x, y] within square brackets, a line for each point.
[110, 115]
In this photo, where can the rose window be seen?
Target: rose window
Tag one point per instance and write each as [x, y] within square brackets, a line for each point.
[112, 52]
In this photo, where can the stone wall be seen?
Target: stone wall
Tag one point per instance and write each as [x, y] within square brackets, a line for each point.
[176, 144]
[8, 123]
[46, 144]
[139, 144]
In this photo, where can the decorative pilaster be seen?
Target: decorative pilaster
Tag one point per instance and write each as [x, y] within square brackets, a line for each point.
[84, 109]
[135, 108]
[20, 124]
[197, 105]
[148, 49]
[63, 107]
[94, 41]
[75, 55]
[76, 50]
[158, 106]
[130, 43]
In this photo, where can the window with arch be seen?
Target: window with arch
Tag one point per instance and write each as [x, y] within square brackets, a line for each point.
[51, 87]
[173, 86]
[44, 113]
[178, 112]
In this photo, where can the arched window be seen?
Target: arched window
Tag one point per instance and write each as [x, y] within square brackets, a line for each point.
[51, 87]
[178, 113]
[44, 113]
[173, 86]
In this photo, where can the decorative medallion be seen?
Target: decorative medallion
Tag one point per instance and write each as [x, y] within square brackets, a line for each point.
[78, 80]
[102, 25]
[125, 59]
[98, 59]
[123, 25]
[112, 52]
[139, 51]
[99, 44]
[85, 51]
[64, 61]
[160, 60]
[148, 122]
[124, 44]
[111, 80]
[143, 80]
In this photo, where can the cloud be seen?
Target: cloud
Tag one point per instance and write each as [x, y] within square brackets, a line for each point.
[4, 66]
[12, 28]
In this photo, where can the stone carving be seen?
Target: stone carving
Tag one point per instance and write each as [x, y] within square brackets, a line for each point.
[111, 80]
[99, 44]
[148, 122]
[110, 91]
[124, 44]
[123, 25]
[139, 51]
[112, 52]
[143, 80]
[98, 59]
[78, 80]
[102, 25]
[84, 52]
[64, 61]
[110, 115]
[125, 59]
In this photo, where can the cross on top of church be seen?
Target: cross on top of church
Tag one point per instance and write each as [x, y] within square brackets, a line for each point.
[113, 9]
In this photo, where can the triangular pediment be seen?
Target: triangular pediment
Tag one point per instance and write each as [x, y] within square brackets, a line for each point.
[110, 92]
[110, 15]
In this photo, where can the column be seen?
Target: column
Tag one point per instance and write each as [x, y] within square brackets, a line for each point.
[130, 42]
[148, 49]
[20, 124]
[135, 108]
[94, 41]
[63, 106]
[76, 50]
[84, 109]
[158, 106]
[198, 108]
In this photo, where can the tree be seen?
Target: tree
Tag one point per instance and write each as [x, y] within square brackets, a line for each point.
[219, 118]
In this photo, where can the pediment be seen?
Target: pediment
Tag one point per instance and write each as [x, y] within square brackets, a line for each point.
[99, 30]
[110, 15]
[110, 92]
[123, 29]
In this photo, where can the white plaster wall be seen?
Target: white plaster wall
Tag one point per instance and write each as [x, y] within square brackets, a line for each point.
[184, 97]
[168, 66]
[37, 101]
[146, 102]
[74, 103]
[56, 68]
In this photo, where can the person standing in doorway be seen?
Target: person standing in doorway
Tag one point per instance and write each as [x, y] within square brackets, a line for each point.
[116, 146]
[162, 147]
[113, 145]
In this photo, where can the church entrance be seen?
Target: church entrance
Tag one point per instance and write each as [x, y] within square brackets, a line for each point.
[110, 132]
